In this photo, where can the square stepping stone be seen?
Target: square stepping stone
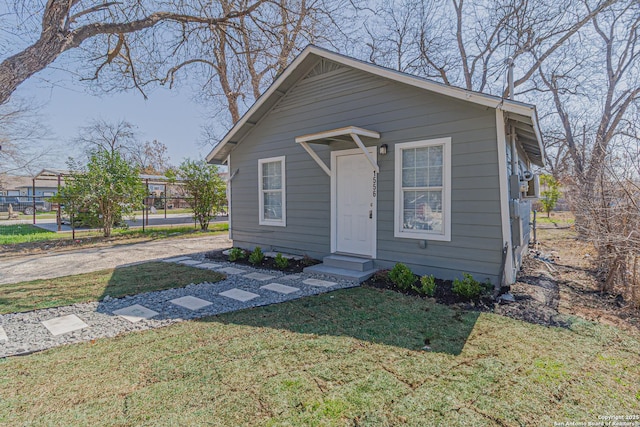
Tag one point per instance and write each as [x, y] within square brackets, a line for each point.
[232, 270]
[209, 265]
[191, 302]
[239, 294]
[176, 259]
[291, 277]
[135, 313]
[3, 335]
[280, 288]
[62, 325]
[318, 282]
[189, 262]
[258, 276]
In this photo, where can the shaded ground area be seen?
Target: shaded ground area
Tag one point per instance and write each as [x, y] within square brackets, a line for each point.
[116, 283]
[351, 357]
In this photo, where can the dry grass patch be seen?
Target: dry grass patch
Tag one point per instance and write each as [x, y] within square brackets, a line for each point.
[115, 282]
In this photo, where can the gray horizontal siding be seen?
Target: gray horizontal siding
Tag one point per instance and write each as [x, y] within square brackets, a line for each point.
[401, 114]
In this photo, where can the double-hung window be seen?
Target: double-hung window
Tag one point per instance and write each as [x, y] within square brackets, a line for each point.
[423, 190]
[271, 191]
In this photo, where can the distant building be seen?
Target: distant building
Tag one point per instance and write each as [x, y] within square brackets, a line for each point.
[17, 185]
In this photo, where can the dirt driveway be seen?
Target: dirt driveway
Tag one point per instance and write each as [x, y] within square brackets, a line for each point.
[21, 268]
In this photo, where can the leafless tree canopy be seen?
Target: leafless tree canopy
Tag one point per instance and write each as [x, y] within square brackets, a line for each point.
[122, 137]
[150, 156]
[21, 127]
[116, 28]
[236, 62]
[101, 135]
[466, 43]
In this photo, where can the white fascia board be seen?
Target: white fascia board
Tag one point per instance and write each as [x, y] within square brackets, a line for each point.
[338, 132]
[536, 129]
[505, 220]
[454, 92]
[531, 113]
[266, 95]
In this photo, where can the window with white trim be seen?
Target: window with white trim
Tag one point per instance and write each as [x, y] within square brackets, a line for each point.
[271, 189]
[423, 190]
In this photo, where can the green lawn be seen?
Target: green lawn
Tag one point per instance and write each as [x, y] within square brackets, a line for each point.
[115, 282]
[347, 358]
[22, 233]
[25, 233]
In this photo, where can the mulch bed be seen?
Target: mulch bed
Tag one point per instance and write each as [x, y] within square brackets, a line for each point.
[524, 308]
[295, 266]
[443, 294]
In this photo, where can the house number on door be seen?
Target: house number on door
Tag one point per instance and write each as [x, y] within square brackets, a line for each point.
[375, 184]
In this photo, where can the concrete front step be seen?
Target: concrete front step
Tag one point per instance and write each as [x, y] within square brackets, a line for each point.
[340, 273]
[348, 262]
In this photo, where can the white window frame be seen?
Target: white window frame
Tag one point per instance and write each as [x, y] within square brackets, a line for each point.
[399, 231]
[261, 220]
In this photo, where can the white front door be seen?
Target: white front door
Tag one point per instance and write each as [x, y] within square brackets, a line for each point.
[354, 203]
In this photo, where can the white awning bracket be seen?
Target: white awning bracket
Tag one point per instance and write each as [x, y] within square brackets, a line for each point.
[328, 136]
[359, 143]
[315, 157]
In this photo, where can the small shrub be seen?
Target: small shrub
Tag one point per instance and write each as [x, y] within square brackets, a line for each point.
[236, 253]
[308, 261]
[427, 286]
[281, 262]
[256, 256]
[381, 276]
[468, 287]
[401, 276]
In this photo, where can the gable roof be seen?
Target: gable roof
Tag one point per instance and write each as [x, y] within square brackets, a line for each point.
[523, 116]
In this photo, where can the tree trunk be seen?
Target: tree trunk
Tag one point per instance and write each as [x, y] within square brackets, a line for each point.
[57, 37]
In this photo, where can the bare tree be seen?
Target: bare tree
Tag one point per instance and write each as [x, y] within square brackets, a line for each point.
[101, 135]
[594, 87]
[115, 27]
[21, 130]
[238, 62]
[466, 43]
[150, 156]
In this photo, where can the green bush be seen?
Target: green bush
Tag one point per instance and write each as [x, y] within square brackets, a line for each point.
[401, 276]
[468, 287]
[281, 262]
[256, 256]
[427, 286]
[236, 253]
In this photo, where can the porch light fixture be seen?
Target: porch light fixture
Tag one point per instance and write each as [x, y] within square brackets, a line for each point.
[383, 149]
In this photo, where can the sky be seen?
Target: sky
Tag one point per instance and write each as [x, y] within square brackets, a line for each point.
[169, 116]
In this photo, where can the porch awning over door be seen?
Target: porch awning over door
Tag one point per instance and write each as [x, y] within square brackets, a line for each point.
[349, 133]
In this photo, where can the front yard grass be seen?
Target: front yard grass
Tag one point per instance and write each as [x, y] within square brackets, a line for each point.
[350, 357]
[115, 282]
[26, 233]
[21, 233]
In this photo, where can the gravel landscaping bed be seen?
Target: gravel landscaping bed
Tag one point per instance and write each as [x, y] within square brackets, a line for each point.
[26, 333]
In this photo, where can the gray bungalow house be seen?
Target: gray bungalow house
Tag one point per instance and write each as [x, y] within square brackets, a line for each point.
[363, 166]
